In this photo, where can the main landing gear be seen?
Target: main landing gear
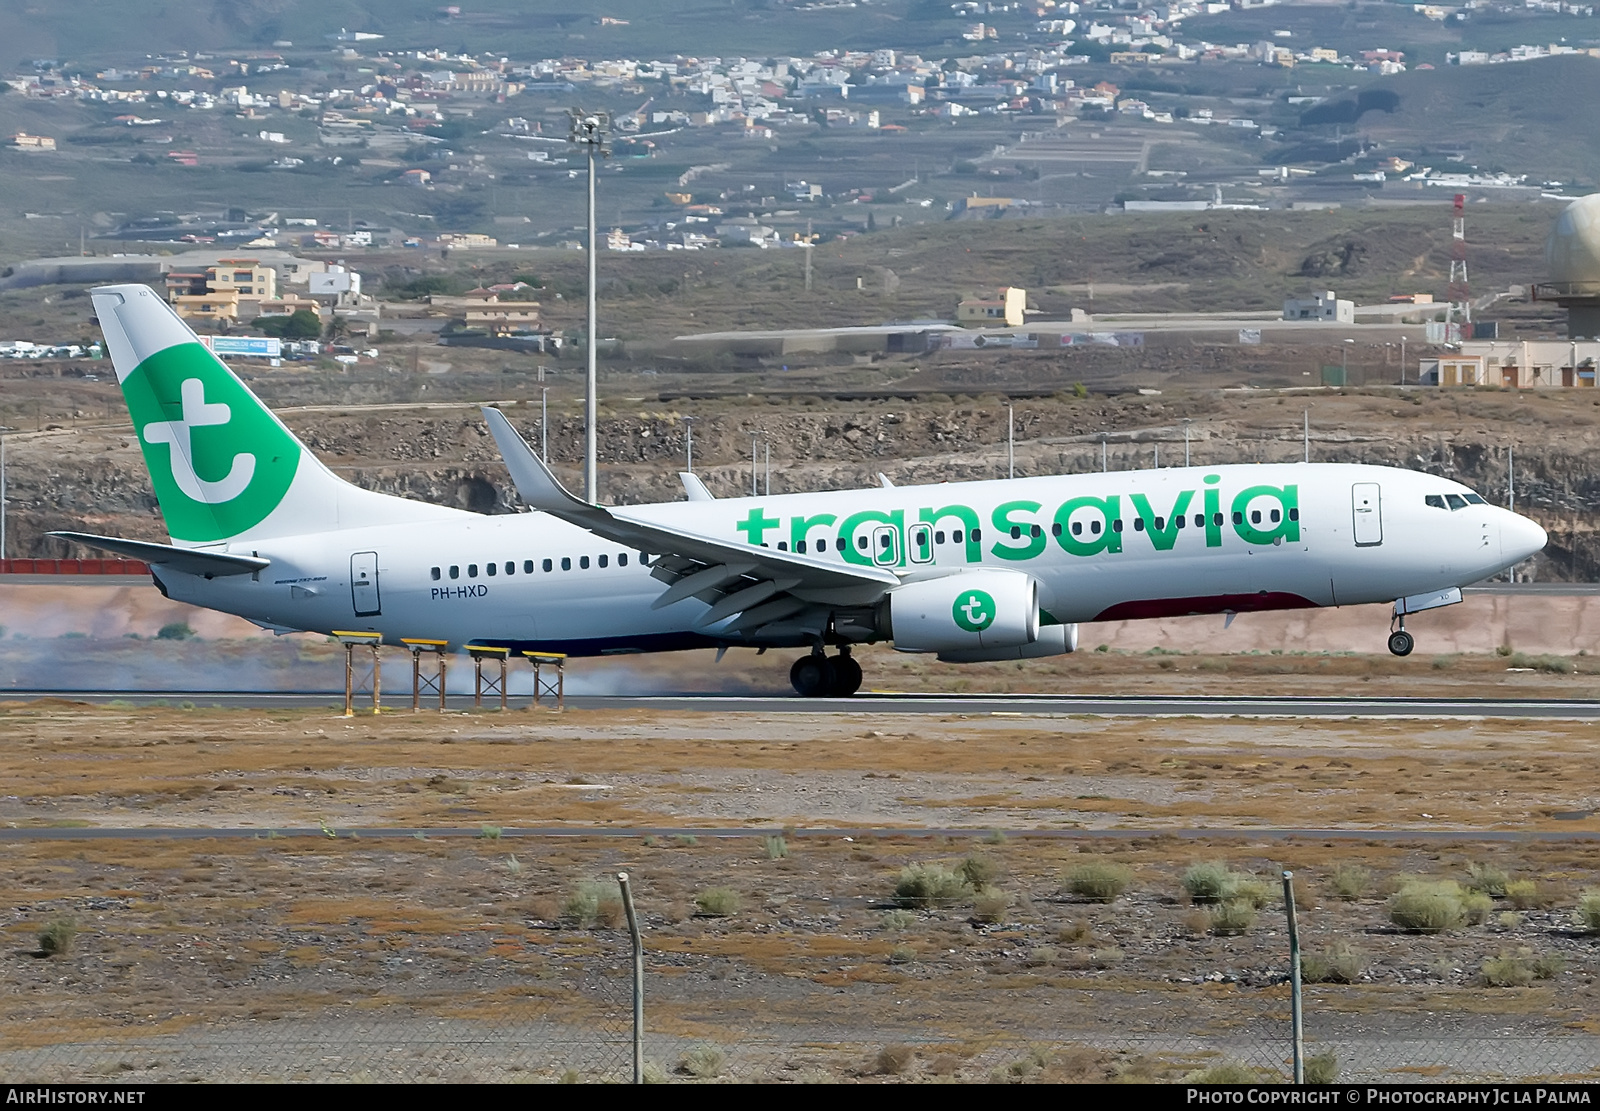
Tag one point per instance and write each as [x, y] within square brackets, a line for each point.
[817, 676]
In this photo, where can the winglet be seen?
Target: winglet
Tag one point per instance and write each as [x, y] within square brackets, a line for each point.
[694, 488]
[531, 477]
[883, 481]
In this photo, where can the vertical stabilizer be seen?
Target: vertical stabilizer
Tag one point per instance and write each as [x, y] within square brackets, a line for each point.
[223, 466]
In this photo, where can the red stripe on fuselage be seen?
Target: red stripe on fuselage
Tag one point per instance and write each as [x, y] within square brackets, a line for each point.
[1214, 603]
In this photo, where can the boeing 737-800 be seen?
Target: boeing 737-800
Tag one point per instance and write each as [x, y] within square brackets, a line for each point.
[970, 571]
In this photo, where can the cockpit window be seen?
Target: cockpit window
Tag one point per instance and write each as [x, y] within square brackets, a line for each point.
[1474, 499]
[1435, 500]
[1456, 501]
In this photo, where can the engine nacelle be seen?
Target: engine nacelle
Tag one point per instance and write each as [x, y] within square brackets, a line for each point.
[1054, 640]
[965, 611]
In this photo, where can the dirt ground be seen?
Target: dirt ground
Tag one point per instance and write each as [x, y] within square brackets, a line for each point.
[273, 956]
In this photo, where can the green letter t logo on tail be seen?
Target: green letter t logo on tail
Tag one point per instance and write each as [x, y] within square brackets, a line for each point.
[220, 463]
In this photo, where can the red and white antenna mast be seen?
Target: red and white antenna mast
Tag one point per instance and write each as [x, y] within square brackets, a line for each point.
[1459, 295]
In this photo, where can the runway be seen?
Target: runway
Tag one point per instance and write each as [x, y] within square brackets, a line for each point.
[422, 833]
[880, 702]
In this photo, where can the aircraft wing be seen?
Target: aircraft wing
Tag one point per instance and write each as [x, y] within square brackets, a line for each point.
[761, 587]
[187, 560]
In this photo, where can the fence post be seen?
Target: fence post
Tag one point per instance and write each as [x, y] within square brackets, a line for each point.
[638, 978]
[1295, 1008]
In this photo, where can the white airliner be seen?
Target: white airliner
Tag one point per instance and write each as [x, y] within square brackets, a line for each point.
[970, 571]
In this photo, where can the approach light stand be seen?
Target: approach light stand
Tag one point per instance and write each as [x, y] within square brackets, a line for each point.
[589, 131]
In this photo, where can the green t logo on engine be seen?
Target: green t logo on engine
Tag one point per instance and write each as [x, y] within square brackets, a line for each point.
[974, 611]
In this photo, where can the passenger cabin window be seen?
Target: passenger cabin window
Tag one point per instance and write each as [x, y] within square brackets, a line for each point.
[938, 538]
[472, 570]
[566, 563]
[455, 572]
[956, 536]
[433, 573]
[622, 559]
[783, 545]
[511, 567]
[861, 541]
[491, 570]
[547, 565]
[583, 563]
[604, 560]
[527, 566]
[800, 546]
[1016, 532]
[1138, 524]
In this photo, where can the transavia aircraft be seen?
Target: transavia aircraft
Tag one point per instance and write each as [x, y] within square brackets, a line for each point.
[970, 571]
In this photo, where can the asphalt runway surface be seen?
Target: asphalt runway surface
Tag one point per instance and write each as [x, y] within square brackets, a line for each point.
[422, 833]
[877, 702]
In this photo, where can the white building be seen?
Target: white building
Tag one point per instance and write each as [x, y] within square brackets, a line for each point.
[1323, 306]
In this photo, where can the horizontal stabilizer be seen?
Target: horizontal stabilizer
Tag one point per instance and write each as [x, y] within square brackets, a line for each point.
[185, 560]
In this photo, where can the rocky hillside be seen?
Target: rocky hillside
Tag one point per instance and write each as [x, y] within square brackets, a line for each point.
[90, 477]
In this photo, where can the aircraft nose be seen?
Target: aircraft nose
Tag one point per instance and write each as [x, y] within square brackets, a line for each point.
[1520, 538]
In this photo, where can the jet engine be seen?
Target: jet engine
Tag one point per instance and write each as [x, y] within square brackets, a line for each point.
[970, 610]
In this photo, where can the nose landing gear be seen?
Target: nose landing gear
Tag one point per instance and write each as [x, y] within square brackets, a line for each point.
[817, 676]
[1401, 642]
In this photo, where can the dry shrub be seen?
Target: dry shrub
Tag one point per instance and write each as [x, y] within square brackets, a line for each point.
[1588, 911]
[894, 1060]
[1248, 889]
[897, 920]
[1197, 922]
[1235, 916]
[1506, 972]
[1205, 882]
[990, 906]
[1098, 881]
[718, 902]
[979, 871]
[594, 903]
[703, 1063]
[1477, 907]
[1322, 1068]
[929, 885]
[1350, 882]
[1427, 907]
[1524, 894]
[55, 940]
[945, 1064]
[1488, 879]
[1076, 932]
[1340, 964]
[1226, 1072]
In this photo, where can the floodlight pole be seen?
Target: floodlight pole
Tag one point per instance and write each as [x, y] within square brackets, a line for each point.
[589, 130]
[3, 432]
[688, 444]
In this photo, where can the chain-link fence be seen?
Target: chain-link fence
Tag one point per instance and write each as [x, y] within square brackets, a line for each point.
[709, 1017]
